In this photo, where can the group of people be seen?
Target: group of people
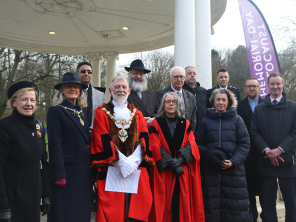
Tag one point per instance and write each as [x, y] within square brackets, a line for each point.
[203, 155]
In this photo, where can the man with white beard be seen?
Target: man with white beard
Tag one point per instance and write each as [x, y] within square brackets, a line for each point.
[120, 138]
[143, 99]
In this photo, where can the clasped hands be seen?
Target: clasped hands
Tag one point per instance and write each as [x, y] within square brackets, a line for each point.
[129, 165]
[175, 165]
[274, 155]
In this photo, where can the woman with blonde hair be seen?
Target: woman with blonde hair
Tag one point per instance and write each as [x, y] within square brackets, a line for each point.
[69, 153]
[24, 170]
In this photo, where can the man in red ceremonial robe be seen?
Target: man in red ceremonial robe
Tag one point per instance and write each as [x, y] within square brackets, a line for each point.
[113, 122]
[176, 188]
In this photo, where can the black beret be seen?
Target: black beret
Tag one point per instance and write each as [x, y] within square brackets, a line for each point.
[214, 157]
[20, 85]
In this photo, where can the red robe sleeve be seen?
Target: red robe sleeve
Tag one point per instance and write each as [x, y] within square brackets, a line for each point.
[144, 138]
[102, 148]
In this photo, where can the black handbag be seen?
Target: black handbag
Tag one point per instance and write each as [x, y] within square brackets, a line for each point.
[289, 161]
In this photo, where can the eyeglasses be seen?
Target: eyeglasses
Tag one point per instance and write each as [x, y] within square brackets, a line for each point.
[170, 101]
[177, 77]
[84, 71]
[136, 74]
[252, 86]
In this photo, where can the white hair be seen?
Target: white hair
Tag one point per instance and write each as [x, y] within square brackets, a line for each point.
[176, 67]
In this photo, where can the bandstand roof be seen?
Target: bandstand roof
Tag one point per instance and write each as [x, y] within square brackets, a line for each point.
[90, 26]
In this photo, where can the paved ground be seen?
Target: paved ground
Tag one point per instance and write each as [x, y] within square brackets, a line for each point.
[280, 207]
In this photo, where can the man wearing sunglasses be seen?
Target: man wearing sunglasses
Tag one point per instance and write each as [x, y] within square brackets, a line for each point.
[245, 109]
[143, 99]
[177, 78]
[94, 97]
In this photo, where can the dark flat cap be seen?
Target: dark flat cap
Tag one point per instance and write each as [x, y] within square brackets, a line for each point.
[20, 85]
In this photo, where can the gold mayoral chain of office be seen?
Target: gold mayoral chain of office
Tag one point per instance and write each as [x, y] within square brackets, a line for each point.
[122, 133]
[74, 112]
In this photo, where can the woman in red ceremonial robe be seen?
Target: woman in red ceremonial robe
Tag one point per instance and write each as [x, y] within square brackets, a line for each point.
[175, 179]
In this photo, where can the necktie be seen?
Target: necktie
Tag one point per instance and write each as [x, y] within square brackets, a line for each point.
[274, 102]
[179, 94]
[140, 95]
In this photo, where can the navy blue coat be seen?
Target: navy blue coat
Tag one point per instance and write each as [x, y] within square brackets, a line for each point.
[69, 157]
[225, 194]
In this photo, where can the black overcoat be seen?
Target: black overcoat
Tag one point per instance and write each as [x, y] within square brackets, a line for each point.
[22, 182]
[200, 95]
[225, 193]
[275, 126]
[69, 157]
[148, 105]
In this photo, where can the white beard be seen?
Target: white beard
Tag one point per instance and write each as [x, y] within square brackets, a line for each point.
[120, 99]
[121, 112]
[137, 86]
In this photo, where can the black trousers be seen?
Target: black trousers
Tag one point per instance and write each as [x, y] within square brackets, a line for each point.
[268, 194]
[253, 183]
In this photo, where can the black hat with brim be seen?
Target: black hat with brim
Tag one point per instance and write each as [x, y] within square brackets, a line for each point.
[20, 85]
[137, 64]
[214, 157]
[70, 77]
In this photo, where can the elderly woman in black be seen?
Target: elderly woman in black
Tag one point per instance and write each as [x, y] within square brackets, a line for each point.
[224, 144]
[24, 176]
[69, 153]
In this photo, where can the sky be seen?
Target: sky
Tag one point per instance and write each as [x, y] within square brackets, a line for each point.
[229, 32]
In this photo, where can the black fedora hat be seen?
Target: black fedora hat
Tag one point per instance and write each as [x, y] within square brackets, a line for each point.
[20, 85]
[70, 77]
[137, 64]
[214, 157]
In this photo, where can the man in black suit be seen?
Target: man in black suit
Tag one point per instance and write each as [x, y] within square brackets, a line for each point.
[143, 99]
[222, 80]
[94, 97]
[199, 93]
[177, 78]
[273, 132]
[245, 109]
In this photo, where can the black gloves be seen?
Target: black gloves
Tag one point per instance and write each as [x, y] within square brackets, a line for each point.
[174, 164]
[5, 215]
[45, 206]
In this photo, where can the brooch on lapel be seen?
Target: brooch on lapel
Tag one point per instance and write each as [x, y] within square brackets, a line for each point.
[38, 130]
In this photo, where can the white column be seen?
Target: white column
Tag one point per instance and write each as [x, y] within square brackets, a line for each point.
[184, 33]
[111, 58]
[203, 42]
[96, 59]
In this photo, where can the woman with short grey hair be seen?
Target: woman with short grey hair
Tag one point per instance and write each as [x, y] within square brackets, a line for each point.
[176, 184]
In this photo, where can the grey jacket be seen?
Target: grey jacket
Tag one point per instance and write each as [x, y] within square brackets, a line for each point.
[275, 126]
[98, 98]
[190, 104]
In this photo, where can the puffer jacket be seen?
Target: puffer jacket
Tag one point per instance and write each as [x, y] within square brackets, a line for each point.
[225, 193]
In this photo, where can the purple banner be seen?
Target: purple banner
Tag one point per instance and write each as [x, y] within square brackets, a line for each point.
[262, 53]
